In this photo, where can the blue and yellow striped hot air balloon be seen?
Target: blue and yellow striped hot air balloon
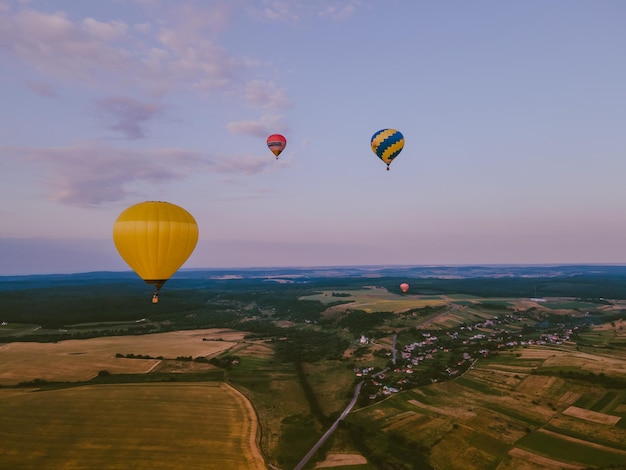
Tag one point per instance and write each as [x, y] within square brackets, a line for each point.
[387, 144]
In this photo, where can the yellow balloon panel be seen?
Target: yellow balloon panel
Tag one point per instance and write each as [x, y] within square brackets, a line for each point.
[155, 239]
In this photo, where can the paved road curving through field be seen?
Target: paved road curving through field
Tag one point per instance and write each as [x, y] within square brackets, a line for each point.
[344, 413]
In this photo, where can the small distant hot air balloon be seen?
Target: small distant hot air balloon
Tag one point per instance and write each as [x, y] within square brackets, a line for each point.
[155, 239]
[404, 287]
[387, 144]
[276, 144]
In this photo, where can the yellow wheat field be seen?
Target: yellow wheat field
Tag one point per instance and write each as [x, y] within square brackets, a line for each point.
[75, 360]
[138, 426]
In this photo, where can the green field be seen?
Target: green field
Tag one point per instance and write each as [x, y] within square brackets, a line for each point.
[569, 305]
[576, 451]
[376, 300]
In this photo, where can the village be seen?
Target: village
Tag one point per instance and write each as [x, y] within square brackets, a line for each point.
[435, 356]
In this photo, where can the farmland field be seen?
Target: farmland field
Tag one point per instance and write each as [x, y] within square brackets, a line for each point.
[376, 300]
[505, 417]
[288, 431]
[142, 426]
[74, 360]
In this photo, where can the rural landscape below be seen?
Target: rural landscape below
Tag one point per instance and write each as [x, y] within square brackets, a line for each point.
[345, 368]
[312, 235]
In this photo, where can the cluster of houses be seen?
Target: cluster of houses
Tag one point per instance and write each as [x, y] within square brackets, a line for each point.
[466, 345]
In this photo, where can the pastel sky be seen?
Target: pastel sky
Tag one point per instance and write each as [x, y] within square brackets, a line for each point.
[514, 116]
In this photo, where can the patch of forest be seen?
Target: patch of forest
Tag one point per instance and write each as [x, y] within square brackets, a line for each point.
[247, 304]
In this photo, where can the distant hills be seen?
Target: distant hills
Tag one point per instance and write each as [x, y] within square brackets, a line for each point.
[296, 274]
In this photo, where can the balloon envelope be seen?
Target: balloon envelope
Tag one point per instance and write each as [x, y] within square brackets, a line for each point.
[404, 287]
[155, 239]
[387, 144]
[276, 143]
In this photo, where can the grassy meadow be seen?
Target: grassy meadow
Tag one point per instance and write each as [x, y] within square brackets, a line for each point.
[288, 428]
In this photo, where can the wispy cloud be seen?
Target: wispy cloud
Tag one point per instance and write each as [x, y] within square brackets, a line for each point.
[297, 10]
[56, 46]
[176, 51]
[127, 115]
[339, 10]
[266, 95]
[263, 127]
[241, 164]
[153, 57]
[41, 88]
[91, 173]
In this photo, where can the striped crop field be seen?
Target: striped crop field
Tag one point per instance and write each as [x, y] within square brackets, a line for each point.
[502, 415]
[139, 426]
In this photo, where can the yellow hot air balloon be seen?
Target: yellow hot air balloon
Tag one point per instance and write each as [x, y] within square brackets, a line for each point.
[155, 239]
